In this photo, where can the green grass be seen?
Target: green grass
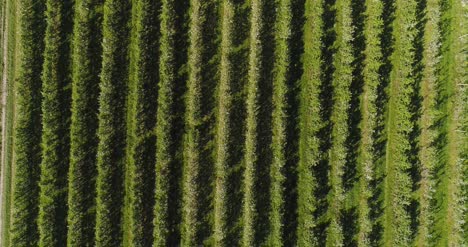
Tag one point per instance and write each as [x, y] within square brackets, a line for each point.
[11, 50]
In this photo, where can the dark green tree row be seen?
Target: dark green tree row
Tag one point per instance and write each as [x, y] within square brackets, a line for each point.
[428, 122]
[197, 209]
[341, 96]
[398, 187]
[452, 226]
[169, 122]
[310, 125]
[27, 150]
[257, 155]
[281, 72]
[112, 123]
[52, 219]
[142, 148]
[236, 122]
[229, 125]
[86, 61]
[368, 126]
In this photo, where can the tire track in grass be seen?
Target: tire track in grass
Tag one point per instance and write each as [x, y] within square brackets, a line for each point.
[4, 94]
[9, 150]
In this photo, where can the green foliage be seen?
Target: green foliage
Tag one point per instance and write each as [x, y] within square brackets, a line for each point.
[84, 122]
[367, 157]
[196, 225]
[452, 225]
[229, 124]
[143, 109]
[279, 116]
[428, 123]
[223, 134]
[234, 122]
[169, 125]
[310, 123]
[25, 205]
[399, 126]
[112, 127]
[253, 158]
[55, 127]
[342, 77]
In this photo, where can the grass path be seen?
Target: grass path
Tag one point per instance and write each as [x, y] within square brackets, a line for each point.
[4, 91]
